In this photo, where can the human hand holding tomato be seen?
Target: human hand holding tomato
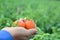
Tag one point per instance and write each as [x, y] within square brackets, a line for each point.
[20, 33]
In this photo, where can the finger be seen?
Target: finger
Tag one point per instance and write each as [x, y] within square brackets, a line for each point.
[32, 32]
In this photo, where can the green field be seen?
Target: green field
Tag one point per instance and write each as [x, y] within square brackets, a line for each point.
[45, 13]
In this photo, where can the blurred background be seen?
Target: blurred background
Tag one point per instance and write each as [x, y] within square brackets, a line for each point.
[45, 13]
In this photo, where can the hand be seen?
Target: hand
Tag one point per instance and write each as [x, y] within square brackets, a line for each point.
[20, 33]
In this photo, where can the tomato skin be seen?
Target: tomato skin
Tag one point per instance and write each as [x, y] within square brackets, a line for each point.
[29, 24]
[21, 23]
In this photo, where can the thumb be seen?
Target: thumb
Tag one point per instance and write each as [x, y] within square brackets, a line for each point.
[32, 31]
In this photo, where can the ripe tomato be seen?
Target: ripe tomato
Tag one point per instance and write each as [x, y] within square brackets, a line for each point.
[21, 23]
[29, 24]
